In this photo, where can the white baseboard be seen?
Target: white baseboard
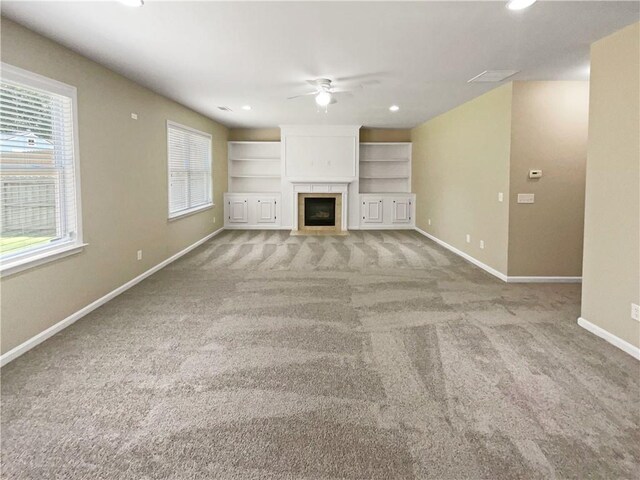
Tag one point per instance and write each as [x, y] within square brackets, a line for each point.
[493, 271]
[610, 337]
[256, 227]
[467, 257]
[544, 279]
[383, 227]
[51, 331]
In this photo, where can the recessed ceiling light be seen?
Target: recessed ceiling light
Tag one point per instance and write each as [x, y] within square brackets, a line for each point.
[519, 4]
[246, 107]
[394, 108]
[132, 3]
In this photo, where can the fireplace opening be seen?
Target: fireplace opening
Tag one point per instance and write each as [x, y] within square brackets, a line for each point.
[319, 212]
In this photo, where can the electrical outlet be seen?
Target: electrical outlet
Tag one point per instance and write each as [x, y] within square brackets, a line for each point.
[481, 243]
[635, 311]
[134, 116]
[500, 196]
[214, 220]
[139, 254]
[429, 221]
[468, 238]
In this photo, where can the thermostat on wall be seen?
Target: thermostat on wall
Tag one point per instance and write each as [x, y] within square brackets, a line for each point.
[535, 173]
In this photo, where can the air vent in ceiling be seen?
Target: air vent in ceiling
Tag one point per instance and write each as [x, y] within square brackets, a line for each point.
[225, 109]
[493, 76]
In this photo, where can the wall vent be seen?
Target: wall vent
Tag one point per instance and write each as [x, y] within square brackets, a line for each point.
[493, 76]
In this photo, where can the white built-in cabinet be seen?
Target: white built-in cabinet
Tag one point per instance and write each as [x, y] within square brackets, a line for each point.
[252, 210]
[387, 210]
[386, 200]
[254, 199]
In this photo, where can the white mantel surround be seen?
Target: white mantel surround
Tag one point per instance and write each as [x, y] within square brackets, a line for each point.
[320, 186]
[323, 159]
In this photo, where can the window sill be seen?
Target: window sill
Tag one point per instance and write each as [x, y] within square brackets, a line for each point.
[192, 211]
[9, 268]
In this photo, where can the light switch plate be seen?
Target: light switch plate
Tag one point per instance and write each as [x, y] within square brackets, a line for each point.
[500, 196]
[526, 198]
[635, 311]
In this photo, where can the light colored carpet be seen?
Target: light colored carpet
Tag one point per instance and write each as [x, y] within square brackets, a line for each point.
[374, 356]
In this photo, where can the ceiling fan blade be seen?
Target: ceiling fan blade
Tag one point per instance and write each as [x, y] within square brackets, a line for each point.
[316, 82]
[341, 90]
[301, 95]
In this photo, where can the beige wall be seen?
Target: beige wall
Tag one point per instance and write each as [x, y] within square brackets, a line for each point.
[255, 134]
[366, 135]
[385, 135]
[611, 275]
[124, 188]
[460, 163]
[549, 126]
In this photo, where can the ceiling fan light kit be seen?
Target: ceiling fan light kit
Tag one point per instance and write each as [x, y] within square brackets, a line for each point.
[323, 98]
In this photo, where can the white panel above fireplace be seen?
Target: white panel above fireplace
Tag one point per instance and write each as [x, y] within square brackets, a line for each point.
[320, 154]
[312, 157]
[320, 151]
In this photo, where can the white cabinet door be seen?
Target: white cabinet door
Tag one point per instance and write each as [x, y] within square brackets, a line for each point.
[401, 210]
[238, 210]
[266, 210]
[372, 210]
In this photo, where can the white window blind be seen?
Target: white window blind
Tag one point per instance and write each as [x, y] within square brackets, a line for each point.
[39, 191]
[189, 170]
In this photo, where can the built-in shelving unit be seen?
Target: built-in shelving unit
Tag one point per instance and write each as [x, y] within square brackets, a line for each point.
[385, 167]
[254, 167]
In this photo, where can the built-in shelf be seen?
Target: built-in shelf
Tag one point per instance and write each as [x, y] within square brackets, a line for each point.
[385, 167]
[254, 167]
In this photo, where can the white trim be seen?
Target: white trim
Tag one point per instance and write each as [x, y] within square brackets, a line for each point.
[395, 226]
[467, 257]
[175, 215]
[191, 211]
[49, 332]
[33, 258]
[544, 279]
[493, 271]
[256, 227]
[37, 259]
[610, 337]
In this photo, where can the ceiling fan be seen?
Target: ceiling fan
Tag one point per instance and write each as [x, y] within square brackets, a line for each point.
[324, 91]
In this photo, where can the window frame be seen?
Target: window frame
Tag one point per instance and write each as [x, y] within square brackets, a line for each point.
[41, 255]
[171, 216]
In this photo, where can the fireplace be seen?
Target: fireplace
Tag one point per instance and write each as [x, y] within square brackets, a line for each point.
[320, 212]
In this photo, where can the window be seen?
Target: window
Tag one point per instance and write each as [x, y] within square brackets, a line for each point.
[39, 184]
[189, 170]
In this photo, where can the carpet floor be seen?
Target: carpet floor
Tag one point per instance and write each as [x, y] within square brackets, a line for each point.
[378, 355]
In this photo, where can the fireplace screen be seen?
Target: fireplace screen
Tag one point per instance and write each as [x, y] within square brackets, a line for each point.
[319, 212]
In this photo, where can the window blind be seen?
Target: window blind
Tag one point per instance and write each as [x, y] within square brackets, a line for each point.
[189, 169]
[38, 177]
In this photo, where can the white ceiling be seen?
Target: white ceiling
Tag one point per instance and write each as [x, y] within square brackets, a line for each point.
[210, 54]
